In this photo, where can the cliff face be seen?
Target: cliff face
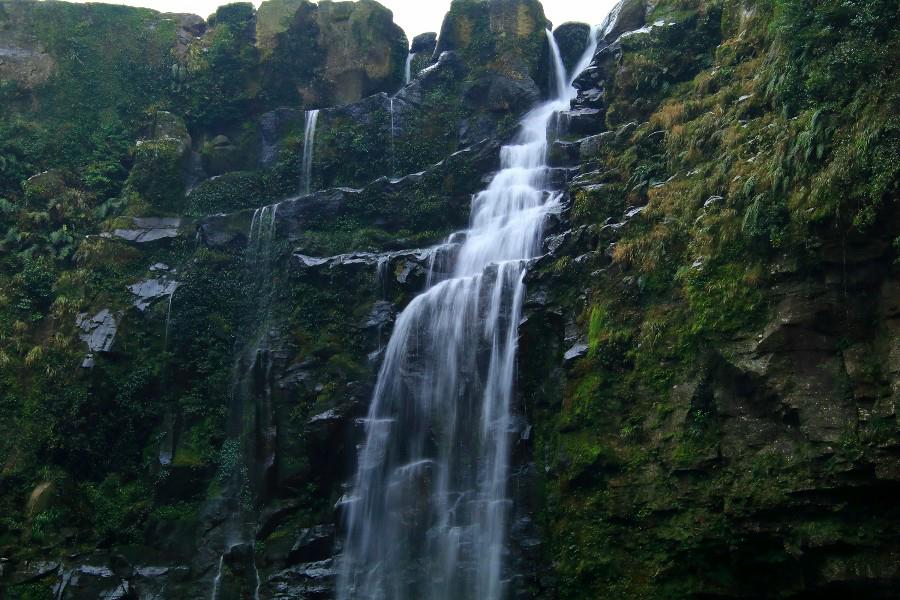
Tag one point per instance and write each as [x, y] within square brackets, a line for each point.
[708, 354]
[707, 362]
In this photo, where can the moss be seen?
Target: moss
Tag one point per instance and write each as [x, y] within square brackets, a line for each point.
[507, 38]
[156, 175]
[228, 193]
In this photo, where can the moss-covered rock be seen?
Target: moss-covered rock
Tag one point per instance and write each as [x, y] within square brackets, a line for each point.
[572, 39]
[330, 53]
[500, 36]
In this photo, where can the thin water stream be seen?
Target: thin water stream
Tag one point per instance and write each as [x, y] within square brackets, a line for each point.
[309, 146]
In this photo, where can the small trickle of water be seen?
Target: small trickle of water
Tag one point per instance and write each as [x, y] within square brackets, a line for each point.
[256, 575]
[393, 131]
[309, 146]
[262, 231]
[217, 580]
[169, 317]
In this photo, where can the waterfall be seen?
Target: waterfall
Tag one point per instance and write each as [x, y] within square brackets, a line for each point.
[217, 580]
[407, 71]
[427, 515]
[558, 72]
[249, 407]
[309, 146]
[391, 109]
[169, 317]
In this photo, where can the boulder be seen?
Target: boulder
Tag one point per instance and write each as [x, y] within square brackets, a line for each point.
[220, 156]
[148, 229]
[150, 290]
[422, 52]
[330, 52]
[274, 18]
[99, 331]
[572, 39]
[168, 126]
[424, 43]
[365, 49]
[504, 36]
[627, 15]
[498, 93]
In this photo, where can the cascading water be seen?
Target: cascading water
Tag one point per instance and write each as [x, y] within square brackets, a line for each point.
[427, 515]
[393, 131]
[407, 70]
[241, 483]
[309, 146]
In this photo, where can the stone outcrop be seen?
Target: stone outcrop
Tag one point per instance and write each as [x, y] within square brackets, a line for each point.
[23, 59]
[350, 49]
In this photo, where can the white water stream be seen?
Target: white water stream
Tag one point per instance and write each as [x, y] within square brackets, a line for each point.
[309, 146]
[427, 516]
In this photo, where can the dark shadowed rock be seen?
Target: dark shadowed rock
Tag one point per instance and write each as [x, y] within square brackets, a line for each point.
[424, 43]
[572, 39]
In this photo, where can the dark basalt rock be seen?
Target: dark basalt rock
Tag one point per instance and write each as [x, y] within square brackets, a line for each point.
[273, 126]
[313, 544]
[308, 581]
[497, 93]
[424, 43]
[572, 39]
[627, 15]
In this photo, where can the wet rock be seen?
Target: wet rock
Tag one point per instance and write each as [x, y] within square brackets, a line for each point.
[31, 571]
[574, 353]
[308, 581]
[595, 146]
[92, 581]
[149, 229]
[627, 15]
[273, 127]
[572, 39]
[150, 290]
[99, 330]
[562, 153]
[313, 544]
[583, 121]
[424, 43]
[498, 93]
[382, 315]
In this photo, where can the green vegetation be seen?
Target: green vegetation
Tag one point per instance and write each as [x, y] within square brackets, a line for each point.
[756, 134]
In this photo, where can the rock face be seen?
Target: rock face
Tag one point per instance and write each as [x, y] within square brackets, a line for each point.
[23, 59]
[350, 49]
[365, 50]
[503, 36]
[572, 39]
[424, 43]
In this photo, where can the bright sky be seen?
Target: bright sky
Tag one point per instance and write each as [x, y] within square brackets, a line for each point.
[415, 16]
